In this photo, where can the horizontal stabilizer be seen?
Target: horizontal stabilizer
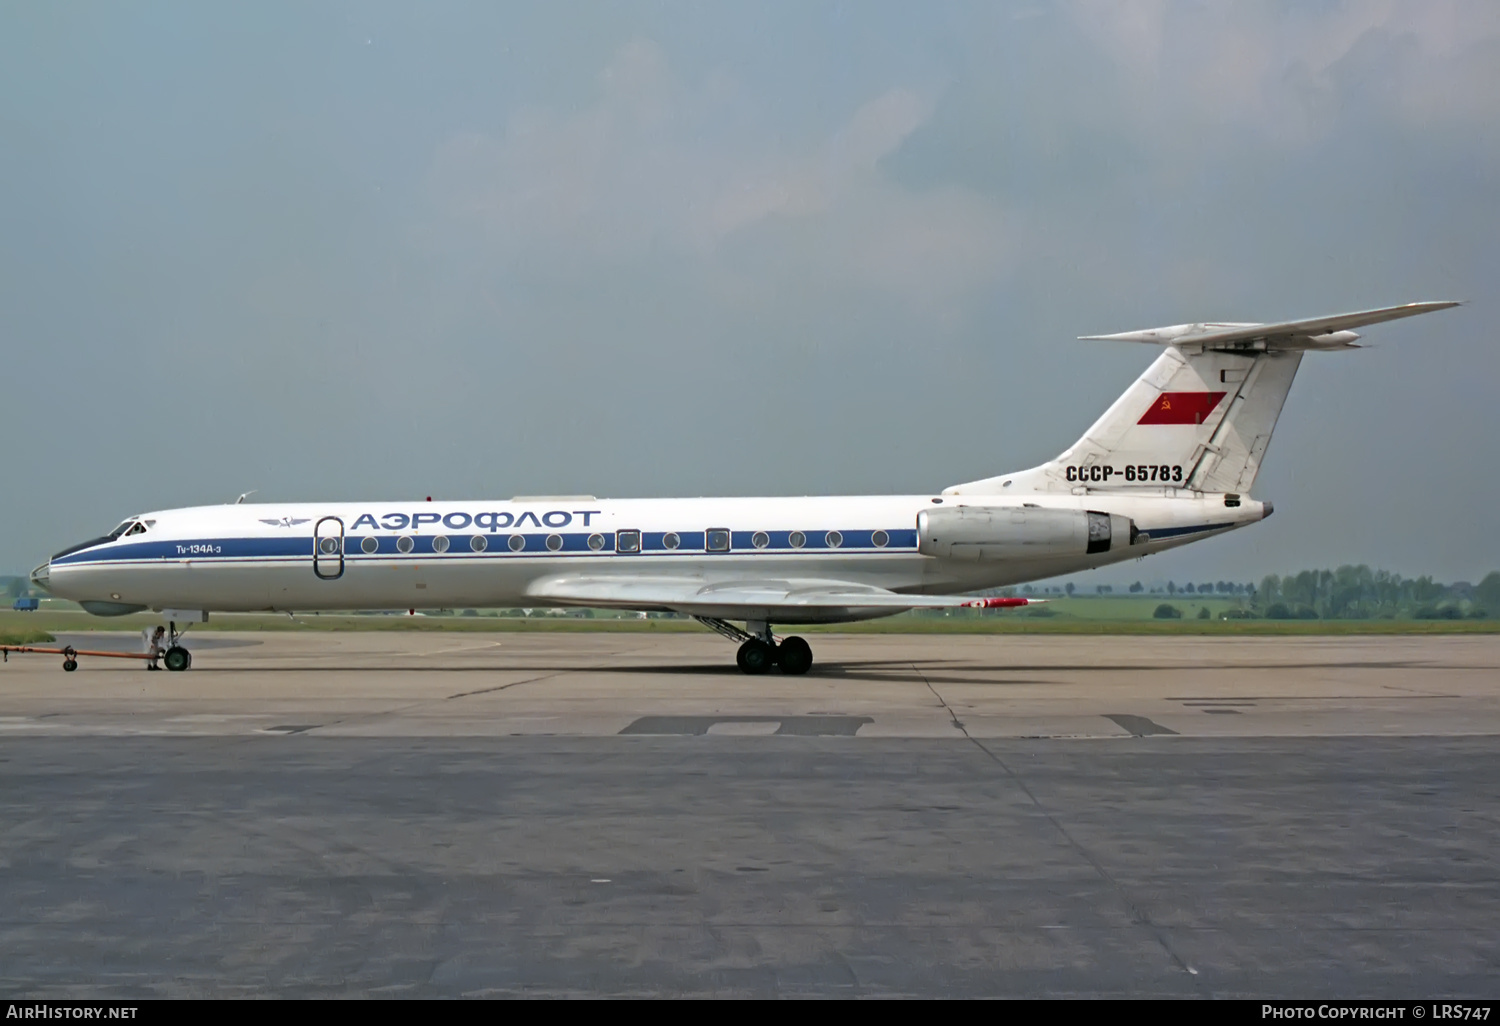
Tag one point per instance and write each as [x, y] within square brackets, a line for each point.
[1332, 332]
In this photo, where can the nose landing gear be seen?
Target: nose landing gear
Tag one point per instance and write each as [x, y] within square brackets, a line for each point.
[174, 657]
[759, 651]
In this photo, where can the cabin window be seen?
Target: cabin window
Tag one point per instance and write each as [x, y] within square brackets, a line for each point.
[477, 543]
[404, 543]
[760, 539]
[370, 545]
[716, 539]
[796, 539]
[517, 542]
[440, 544]
[630, 541]
[670, 540]
[554, 542]
[328, 546]
[833, 539]
[596, 542]
[880, 539]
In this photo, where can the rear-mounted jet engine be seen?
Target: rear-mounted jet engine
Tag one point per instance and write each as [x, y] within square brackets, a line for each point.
[1020, 532]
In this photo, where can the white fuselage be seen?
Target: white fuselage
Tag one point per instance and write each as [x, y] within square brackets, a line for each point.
[399, 555]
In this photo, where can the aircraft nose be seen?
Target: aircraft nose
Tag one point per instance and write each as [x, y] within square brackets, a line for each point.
[42, 574]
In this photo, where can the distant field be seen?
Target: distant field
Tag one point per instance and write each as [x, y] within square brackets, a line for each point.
[20, 636]
[1091, 615]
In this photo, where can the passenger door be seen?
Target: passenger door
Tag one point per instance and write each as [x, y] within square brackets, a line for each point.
[328, 548]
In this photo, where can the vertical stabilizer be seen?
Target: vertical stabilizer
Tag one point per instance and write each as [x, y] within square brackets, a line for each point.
[1199, 421]
[1201, 417]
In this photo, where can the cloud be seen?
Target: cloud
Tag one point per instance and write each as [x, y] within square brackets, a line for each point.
[1288, 71]
[658, 169]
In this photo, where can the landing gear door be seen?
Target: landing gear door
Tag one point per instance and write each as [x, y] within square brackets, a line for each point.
[328, 548]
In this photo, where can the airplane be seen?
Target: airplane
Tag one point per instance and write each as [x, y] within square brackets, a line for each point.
[1172, 461]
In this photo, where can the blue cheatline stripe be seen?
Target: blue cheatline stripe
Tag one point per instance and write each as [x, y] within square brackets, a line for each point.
[688, 541]
[459, 547]
[209, 548]
[1158, 533]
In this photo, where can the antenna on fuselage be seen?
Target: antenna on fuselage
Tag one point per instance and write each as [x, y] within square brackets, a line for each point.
[245, 495]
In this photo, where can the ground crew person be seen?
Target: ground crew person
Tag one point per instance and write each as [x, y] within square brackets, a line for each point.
[155, 649]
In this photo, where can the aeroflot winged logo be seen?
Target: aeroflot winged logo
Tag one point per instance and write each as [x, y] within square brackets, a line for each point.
[1181, 408]
[285, 521]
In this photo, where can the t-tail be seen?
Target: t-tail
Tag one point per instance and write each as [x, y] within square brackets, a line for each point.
[1200, 418]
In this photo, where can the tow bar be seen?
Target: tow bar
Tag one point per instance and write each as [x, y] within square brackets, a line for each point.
[176, 657]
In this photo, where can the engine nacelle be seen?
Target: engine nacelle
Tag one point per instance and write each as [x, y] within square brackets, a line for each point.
[1020, 532]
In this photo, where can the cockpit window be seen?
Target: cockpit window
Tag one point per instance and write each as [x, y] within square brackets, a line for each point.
[135, 525]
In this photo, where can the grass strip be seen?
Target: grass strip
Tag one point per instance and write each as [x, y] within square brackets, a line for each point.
[23, 637]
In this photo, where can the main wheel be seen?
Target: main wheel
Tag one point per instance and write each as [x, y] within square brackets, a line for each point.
[69, 665]
[795, 656]
[177, 659]
[755, 657]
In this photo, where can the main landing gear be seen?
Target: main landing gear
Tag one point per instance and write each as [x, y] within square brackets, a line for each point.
[759, 651]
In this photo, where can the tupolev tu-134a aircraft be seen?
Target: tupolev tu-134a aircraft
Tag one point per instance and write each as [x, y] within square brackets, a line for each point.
[1172, 461]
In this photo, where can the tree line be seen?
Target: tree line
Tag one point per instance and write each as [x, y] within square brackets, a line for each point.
[1345, 593]
[1360, 593]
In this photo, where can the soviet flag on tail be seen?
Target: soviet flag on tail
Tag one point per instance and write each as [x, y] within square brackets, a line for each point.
[1182, 408]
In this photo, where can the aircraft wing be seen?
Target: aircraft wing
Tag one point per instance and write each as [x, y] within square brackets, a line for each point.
[754, 598]
[1331, 332]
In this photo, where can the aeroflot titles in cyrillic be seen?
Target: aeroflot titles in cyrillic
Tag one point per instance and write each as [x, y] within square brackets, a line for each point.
[489, 521]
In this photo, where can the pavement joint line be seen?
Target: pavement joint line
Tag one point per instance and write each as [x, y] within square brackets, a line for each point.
[1414, 692]
[461, 648]
[1307, 698]
[546, 676]
[1136, 913]
[500, 687]
[343, 722]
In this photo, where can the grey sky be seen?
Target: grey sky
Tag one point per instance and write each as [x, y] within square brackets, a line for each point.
[374, 250]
